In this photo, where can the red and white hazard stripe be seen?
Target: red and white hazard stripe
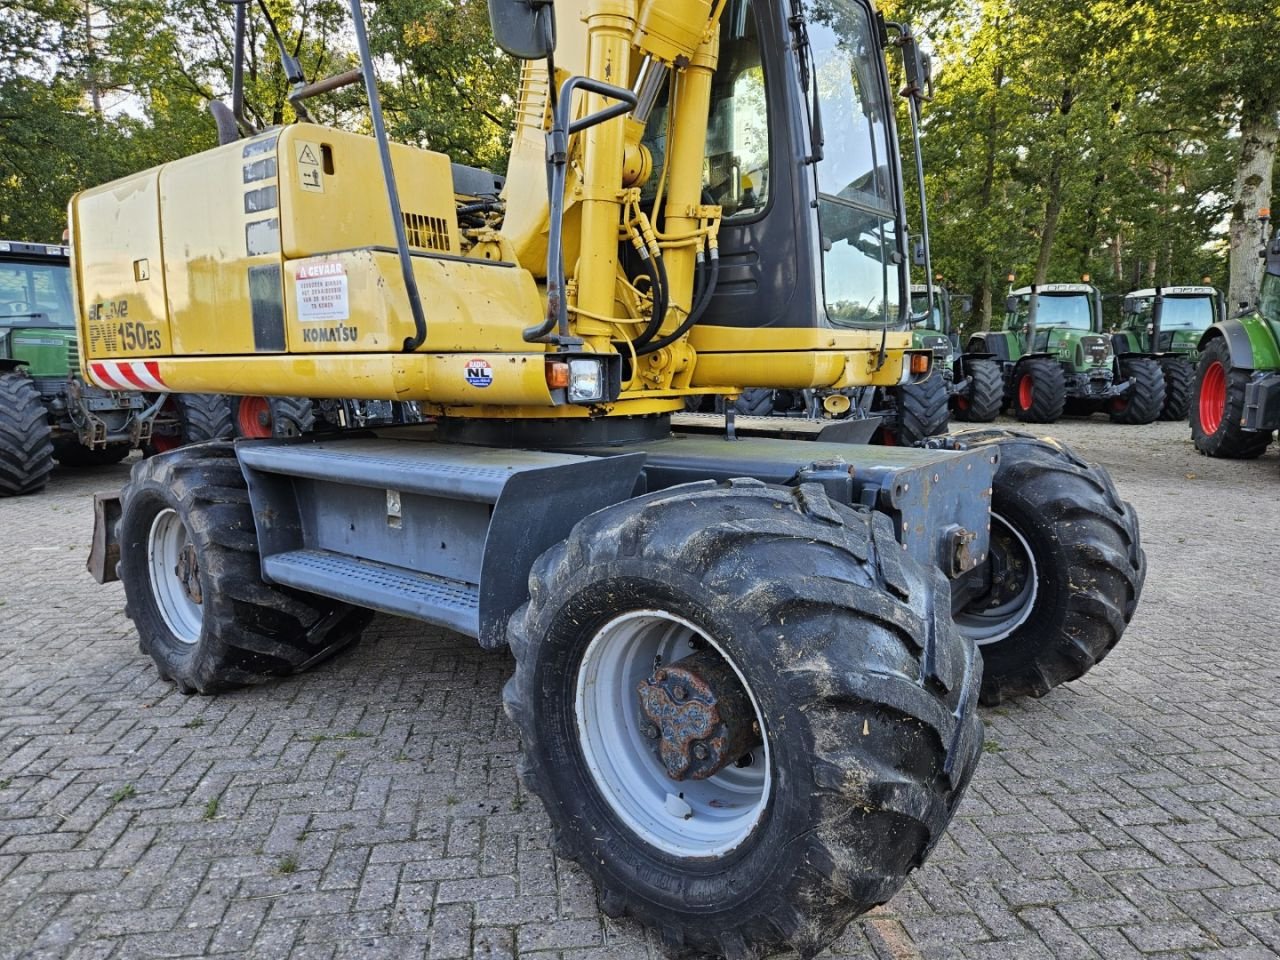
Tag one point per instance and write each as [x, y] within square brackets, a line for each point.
[127, 375]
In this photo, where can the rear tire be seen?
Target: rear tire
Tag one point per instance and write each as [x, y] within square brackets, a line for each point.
[983, 400]
[864, 694]
[1178, 377]
[260, 417]
[920, 410]
[754, 402]
[192, 580]
[1217, 407]
[1067, 565]
[26, 439]
[1039, 391]
[1142, 402]
[196, 417]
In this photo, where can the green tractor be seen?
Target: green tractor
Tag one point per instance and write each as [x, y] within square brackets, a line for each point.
[1167, 323]
[1056, 359]
[47, 411]
[974, 386]
[1235, 402]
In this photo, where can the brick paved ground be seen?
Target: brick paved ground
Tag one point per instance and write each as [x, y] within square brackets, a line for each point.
[370, 808]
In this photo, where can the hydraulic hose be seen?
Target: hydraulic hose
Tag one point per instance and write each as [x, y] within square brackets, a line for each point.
[695, 314]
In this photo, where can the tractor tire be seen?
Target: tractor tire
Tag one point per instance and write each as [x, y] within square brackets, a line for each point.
[1217, 408]
[1039, 391]
[754, 402]
[983, 400]
[1142, 402]
[1066, 565]
[199, 416]
[192, 580]
[1178, 375]
[865, 732]
[73, 453]
[261, 417]
[26, 439]
[920, 410]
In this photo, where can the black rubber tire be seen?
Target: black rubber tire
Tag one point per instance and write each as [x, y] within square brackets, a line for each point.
[868, 692]
[1178, 376]
[983, 399]
[73, 453]
[1142, 402]
[1089, 561]
[250, 631]
[198, 417]
[290, 416]
[1229, 440]
[920, 410]
[1048, 391]
[26, 439]
[754, 402]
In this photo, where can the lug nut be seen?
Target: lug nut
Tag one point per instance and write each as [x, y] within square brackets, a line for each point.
[700, 751]
[650, 730]
[678, 692]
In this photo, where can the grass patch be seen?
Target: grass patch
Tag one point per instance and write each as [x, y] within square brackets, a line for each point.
[991, 746]
[5, 783]
[194, 724]
[288, 864]
[211, 808]
[124, 793]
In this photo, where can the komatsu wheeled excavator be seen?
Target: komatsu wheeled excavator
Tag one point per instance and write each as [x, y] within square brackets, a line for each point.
[747, 667]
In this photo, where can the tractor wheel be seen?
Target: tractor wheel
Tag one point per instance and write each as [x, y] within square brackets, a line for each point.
[195, 418]
[1178, 374]
[754, 402]
[920, 410]
[261, 417]
[73, 453]
[1039, 391]
[983, 400]
[1142, 402]
[1065, 568]
[193, 587]
[26, 444]
[1217, 408]
[743, 715]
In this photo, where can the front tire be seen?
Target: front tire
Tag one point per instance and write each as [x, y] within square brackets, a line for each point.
[1217, 408]
[864, 699]
[1178, 377]
[983, 400]
[1142, 402]
[920, 410]
[193, 586]
[1039, 391]
[26, 439]
[1066, 569]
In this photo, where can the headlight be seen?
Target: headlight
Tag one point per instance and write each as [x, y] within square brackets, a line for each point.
[586, 381]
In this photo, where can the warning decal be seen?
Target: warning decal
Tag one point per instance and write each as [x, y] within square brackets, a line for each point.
[478, 373]
[309, 175]
[322, 292]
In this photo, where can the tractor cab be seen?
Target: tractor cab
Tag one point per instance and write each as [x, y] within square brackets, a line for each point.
[1164, 320]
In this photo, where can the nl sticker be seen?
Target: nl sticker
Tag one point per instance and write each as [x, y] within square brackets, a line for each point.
[478, 373]
[322, 292]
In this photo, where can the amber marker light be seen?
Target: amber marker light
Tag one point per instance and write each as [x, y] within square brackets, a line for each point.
[557, 374]
[919, 363]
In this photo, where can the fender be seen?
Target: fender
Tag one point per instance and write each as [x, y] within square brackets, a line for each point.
[1251, 340]
[8, 364]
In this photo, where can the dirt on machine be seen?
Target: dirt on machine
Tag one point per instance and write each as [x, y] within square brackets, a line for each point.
[747, 667]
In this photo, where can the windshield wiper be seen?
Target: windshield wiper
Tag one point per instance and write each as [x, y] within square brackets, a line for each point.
[804, 51]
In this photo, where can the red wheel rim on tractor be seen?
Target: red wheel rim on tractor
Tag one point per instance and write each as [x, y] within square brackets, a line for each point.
[1213, 397]
[253, 417]
[1026, 392]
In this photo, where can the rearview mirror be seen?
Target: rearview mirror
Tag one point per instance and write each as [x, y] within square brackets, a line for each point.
[525, 29]
[917, 253]
[1129, 308]
[966, 304]
[1011, 305]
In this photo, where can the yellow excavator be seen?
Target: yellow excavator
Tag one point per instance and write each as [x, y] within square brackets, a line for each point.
[748, 659]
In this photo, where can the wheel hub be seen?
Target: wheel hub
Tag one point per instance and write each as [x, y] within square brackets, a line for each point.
[697, 715]
[188, 572]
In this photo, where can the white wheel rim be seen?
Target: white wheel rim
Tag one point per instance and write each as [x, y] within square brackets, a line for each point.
[165, 543]
[996, 623]
[687, 818]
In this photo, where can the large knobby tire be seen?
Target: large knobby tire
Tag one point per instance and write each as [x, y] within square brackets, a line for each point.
[1178, 375]
[195, 418]
[26, 439]
[1142, 402]
[261, 417]
[754, 402]
[1039, 391]
[920, 410]
[73, 453]
[983, 399]
[1217, 407]
[1066, 567]
[192, 580]
[863, 690]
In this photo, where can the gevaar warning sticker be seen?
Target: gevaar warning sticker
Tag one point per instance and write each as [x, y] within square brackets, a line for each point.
[322, 292]
[478, 373]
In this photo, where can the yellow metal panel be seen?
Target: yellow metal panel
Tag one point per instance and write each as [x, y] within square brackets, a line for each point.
[115, 231]
[801, 370]
[712, 339]
[220, 220]
[356, 301]
[332, 195]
